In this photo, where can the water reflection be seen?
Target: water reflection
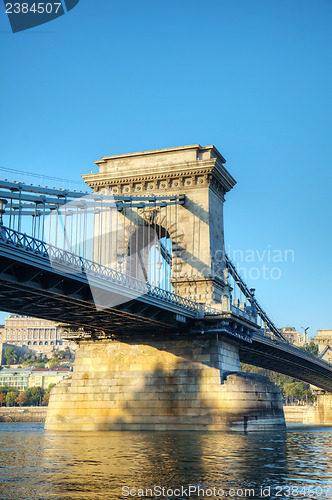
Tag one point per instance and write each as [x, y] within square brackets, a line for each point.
[44, 465]
[106, 462]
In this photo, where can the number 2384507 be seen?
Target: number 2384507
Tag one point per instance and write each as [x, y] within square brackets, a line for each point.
[35, 8]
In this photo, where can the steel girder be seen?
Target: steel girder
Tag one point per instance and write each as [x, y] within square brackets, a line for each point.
[278, 356]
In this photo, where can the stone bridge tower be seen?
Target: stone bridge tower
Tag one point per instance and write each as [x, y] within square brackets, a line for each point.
[197, 230]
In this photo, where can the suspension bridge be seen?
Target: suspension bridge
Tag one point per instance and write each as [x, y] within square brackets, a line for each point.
[139, 259]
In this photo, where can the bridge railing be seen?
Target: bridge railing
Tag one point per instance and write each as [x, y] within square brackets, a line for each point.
[74, 264]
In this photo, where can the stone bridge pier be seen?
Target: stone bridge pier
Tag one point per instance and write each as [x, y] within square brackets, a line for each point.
[163, 381]
[179, 384]
[321, 414]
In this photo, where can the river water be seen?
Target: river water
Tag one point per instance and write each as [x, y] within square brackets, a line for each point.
[40, 465]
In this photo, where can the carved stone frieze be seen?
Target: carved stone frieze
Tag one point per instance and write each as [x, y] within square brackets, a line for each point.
[161, 181]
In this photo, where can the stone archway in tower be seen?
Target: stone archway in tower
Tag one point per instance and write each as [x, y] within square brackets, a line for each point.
[153, 248]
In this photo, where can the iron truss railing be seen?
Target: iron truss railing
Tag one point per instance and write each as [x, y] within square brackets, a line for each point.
[77, 263]
[251, 298]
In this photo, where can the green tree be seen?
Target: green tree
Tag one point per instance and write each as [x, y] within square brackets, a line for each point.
[2, 398]
[311, 348]
[29, 360]
[290, 388]
[22, 399]
[67, 353]
[41, 364]
[299, 391]
[295, 389]
[50, 387]
[10, 355]
[10, 398]
[34, 395]
[54, 363]
[6, 388]
[310, 396]
[46, 399]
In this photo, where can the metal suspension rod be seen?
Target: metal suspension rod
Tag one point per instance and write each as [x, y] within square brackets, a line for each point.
[105, 260]
[155, 264]
[19, 212]
[164, 265]
[56, 226]
[49, 229]
[130, 237]
[77, 229]
[136, 243]
[43, 223]
[175, 254]
[142, 251]
[84, 235]
[116, 240]
[193, 251]
[124, 240]
[10, 215]
[100, 231]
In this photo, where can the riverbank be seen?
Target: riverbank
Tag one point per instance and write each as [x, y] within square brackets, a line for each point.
[293, 414]
[23, 414]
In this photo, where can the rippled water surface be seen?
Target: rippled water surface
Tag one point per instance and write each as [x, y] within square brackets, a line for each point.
[35, 464]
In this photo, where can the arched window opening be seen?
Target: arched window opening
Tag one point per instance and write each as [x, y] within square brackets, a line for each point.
[160, 264]
[150, 256]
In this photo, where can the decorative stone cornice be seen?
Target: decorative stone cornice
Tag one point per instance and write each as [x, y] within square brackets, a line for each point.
[180, 176]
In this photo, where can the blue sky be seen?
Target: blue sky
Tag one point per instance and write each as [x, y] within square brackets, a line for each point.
[253, 78]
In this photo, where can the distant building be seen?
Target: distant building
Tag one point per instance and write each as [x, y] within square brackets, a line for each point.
[293, 336]
[42, 377]
[15, 377]
[22, 378]
[324, 341]
[37, 334]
